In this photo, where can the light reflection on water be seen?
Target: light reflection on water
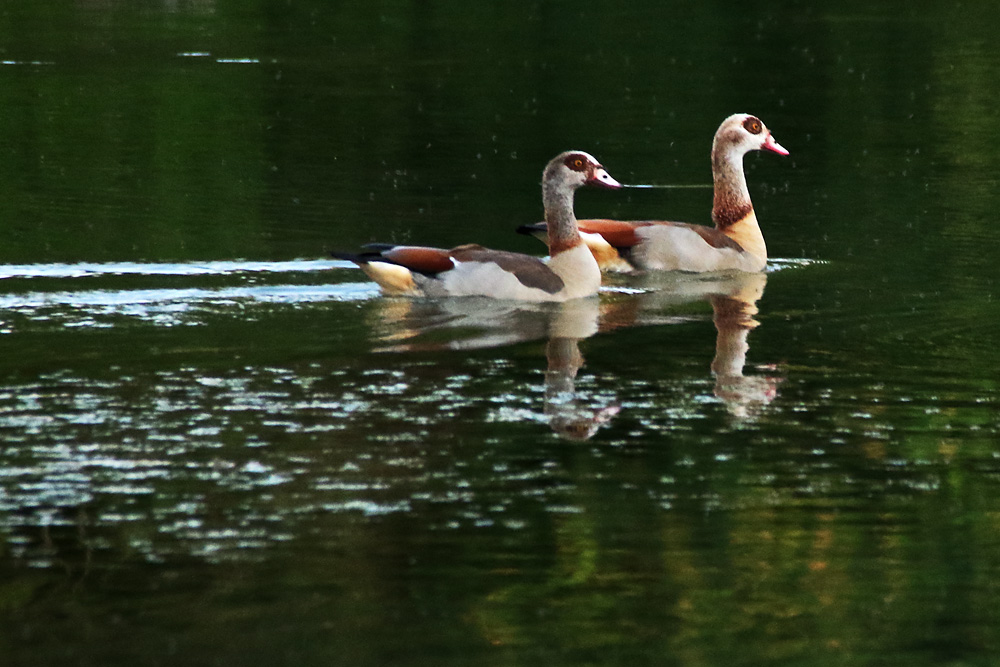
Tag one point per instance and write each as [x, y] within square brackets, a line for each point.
[452, 420]
[368, 440]
[85, 269]
[166, 306]
[388, 477]
[163, 306]
[444, 416]
[178, 441]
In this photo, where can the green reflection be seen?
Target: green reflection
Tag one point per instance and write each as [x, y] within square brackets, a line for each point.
[260, 481]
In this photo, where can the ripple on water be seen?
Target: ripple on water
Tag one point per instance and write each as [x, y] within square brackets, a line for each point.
[64, 295]
[90, 270]
[223, 465]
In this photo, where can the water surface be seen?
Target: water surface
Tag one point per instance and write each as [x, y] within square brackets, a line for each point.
[222, 447]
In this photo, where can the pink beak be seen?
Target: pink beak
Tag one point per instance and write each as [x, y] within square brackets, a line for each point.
[772, 145]
[603, 179]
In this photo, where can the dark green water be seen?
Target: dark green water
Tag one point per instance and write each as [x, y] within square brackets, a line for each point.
[221, 448]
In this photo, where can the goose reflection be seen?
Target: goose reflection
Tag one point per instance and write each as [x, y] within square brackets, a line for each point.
[734, 298]
[568, 415]
[409, 325]
[733, 314]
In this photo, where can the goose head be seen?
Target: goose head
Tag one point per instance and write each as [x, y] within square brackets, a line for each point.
[574, 169]
[741, 133]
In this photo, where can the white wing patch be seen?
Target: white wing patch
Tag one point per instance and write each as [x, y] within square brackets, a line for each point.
[485, 279]
[676, 248]
[577, 268]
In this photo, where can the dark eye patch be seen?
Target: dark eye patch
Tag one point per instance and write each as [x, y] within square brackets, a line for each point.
[576, 162]
[753, 125]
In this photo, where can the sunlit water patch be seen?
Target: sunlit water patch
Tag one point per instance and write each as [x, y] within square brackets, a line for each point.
[87, 269]
[342, 407]
[229, 463]
[70, 299]
[93, 294]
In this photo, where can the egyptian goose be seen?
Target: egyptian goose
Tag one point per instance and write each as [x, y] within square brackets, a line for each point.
[472, 270]
[734, 243]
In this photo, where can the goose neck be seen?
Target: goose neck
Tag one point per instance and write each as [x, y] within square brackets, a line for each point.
[559, 217]
[732, 198]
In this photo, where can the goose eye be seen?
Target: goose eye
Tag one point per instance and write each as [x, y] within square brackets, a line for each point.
[576, 163]
[752, 125]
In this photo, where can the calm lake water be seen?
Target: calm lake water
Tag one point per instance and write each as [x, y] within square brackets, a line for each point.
[220, 447]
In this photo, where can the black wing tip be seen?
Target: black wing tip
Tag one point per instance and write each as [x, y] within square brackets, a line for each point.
[370, 252]
[379, 247]
[357, 257]
[347, 256]
[533, 229]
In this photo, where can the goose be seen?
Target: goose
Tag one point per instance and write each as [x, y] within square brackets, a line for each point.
[569, 272]
[735, 243]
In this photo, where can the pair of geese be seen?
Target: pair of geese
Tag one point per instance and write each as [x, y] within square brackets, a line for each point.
[579, 250]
